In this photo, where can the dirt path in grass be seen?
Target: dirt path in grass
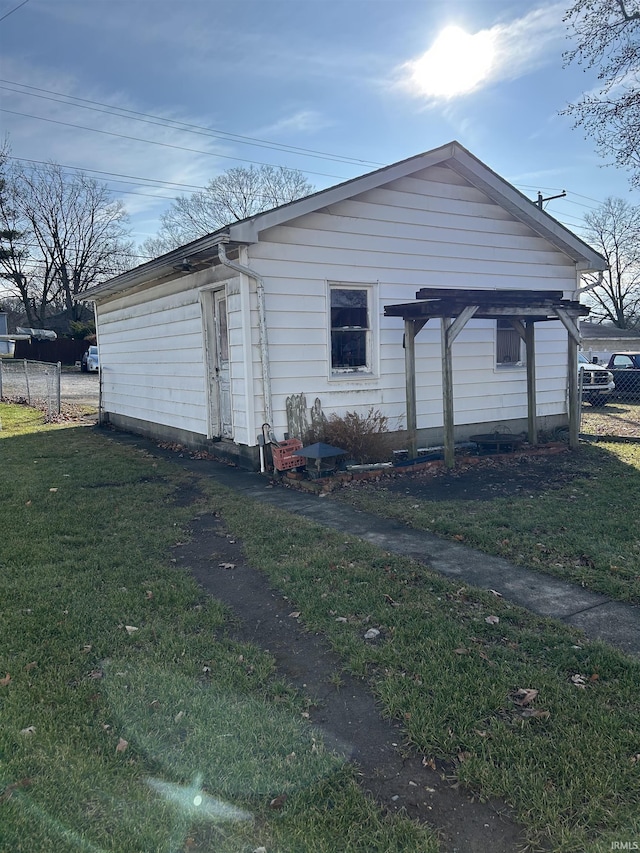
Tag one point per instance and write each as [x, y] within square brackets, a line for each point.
[346, 714]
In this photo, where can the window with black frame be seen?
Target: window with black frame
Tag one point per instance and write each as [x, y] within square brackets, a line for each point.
[349, 329]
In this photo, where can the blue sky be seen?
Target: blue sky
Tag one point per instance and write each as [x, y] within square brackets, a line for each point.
[368, 82]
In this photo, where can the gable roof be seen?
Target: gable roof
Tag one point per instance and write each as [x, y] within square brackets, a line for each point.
[453, 155]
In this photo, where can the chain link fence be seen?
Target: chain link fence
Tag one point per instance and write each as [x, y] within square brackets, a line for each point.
[618, 418]
[35, 383]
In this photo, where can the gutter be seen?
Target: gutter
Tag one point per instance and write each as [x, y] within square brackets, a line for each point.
[262, 328]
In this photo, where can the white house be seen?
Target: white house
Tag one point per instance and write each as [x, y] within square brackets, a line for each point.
[600, 341]
[207, 342]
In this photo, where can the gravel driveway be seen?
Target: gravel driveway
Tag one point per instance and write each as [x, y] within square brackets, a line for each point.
[79, 389]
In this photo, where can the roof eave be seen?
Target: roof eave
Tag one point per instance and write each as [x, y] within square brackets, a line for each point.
[198, 252]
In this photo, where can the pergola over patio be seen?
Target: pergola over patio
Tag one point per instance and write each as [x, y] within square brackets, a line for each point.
[455, 307]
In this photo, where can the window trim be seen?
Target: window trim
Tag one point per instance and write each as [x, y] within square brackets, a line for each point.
[370, 370]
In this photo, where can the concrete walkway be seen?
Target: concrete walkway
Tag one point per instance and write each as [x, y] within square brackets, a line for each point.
[600, 617]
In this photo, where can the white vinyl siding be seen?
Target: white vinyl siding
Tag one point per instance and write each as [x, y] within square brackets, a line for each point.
[433, 230]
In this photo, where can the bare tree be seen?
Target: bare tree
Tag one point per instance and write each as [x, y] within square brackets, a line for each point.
[65, 234]
[607, 34]
[614, 230]
[236, 194]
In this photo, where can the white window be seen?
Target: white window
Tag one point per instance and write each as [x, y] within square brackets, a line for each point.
[351, 344]
[509, 347]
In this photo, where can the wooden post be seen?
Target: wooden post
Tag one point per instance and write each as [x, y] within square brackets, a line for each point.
[447, 392]
[530, 350]
[410, 378]
[574, 397]
[449, 332]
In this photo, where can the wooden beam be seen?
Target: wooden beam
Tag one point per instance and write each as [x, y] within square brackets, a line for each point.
[447, 392]
[410, 380]
[411, 329]
[530, 349]
[416, 310]
[460, 322]
[518, 325]
[449, 332]
[567, 319]
[574, 396]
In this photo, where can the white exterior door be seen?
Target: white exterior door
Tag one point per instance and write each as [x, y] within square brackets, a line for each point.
[221, 366]
[217, 367]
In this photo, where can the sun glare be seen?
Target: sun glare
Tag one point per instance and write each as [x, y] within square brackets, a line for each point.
[455, 64]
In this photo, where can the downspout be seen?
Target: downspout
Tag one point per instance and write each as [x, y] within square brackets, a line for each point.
[586, 287]
[262, 328]
[95, 322]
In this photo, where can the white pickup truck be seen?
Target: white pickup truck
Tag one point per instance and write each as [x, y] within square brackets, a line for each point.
[596, 381]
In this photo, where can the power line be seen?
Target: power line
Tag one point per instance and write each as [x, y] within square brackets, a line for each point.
[136, 115]
[134, 178]
[162, 144]
[15, 9]
[133, 182]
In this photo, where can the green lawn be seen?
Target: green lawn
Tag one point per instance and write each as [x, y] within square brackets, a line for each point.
[128, 720]
[587, 531]
[81, 563]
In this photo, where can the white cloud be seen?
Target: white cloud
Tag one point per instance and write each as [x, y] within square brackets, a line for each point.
[305, 121]
[41, 128]
[458, 63]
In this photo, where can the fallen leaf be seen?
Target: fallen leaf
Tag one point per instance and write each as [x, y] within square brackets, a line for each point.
[579, 680]
[524, 696]
[372, 634]
[429, 762]
[28, 503]
[459, 537]
[30, 730]
[594, 677]
[486, 657]
[461, 651]
[463, 756]
[294, 614]
[532, 713]
[130, 629]
[31, 666]
[227, 565]
[278, 802]
[122, 745]
[492, 620]
[178, 716]
[148, 595]
[4, 682]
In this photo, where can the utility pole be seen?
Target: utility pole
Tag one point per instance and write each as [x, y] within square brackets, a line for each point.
[540, 200]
